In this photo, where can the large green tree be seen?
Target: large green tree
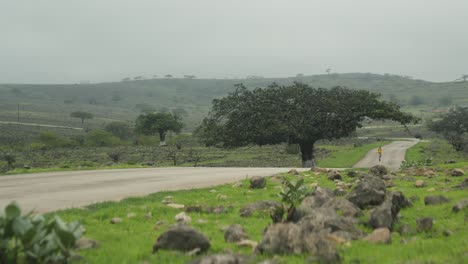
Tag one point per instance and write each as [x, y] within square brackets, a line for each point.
[295, 114]
[158, 123]
[82, 115]
[453, 127]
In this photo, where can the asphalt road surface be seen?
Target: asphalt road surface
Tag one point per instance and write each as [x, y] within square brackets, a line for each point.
[392, 156]
[44, 192]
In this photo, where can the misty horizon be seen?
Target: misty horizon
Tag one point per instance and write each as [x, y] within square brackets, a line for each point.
[64, 42]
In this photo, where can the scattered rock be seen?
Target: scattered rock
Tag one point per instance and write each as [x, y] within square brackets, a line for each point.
[159, 223]
[378, 170]
[370, 191]
[343, 206]
[457, 172]
[379, 236]
[212, 191]
[215, 210]
[319, 170]
[86, 243]
[131, 215]
[314, 185]
[429, 174]
[182, 238]
[435, 199]
[293, 172]
[352, 174]
[450, 161]
[235, 233]
[183, 218]
[431, 190]
[249, 209]
[405, 229]
[420, 184]
[221, 259]
[237, 185]
[388, 177]
[339, 192]
[448, 233]
[247, 243]
[334, 175]
[424, 224]
[460, 205]
[116, 220]
[176, 206]
[386, 214]
[202, 221]
[221, 197]
[193, 208]
[462, 185]
[193, 252]
[257, 182]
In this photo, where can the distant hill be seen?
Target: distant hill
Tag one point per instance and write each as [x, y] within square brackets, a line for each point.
[52, 104]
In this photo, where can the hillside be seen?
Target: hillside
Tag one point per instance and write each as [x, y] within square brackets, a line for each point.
[52, 104]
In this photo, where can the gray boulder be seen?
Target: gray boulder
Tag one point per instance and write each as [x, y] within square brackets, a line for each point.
[334, 175]
[385, 215]
[369, 192]
[345, 207]
[378, 170]
[457, 172]
[424, 224]
[249, 209]
[221, 259]
[257, 182]
[182, 238]
[235, 233]
[460, 205]
[435, 199]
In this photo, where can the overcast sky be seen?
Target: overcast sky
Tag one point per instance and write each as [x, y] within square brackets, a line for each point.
[67, 41]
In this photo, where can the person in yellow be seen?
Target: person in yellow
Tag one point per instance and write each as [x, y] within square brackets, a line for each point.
[379, 150]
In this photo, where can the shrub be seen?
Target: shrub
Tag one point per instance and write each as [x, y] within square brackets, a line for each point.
[52, 140]
[292, 195]
[101, 138]
[33, 239]
[10, 159]
[119, 129]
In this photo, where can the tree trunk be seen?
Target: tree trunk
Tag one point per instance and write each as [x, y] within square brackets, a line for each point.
[162, 138]
[307, 153]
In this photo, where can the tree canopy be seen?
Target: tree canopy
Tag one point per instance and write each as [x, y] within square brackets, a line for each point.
[158, 123]
[82, 115]
[453, 127]
[296, 114]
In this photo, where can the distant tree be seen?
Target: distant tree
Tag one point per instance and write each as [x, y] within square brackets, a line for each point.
[445, 101]
[189, 76]
[453, 127]
[138, 78]
[119, 129]
[296, 114]
[328, 71]
[101, 138]
[158, 123]
[168, 76]
[299, 75]
[16, 91]
[463, 78]
[416, 100]
[126, 79]
[82, 115]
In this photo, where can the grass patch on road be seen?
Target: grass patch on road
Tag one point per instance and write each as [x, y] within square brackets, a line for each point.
[131, 241]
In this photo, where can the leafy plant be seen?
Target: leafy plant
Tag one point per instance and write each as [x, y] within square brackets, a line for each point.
[33, 239]
[292, 195]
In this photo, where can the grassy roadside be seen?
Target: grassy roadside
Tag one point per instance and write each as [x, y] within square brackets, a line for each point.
[343, 155]
[131, 241]
[437, 150]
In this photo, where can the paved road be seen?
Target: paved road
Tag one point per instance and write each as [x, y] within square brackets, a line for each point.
[39, 125]
[392, 156]
[50, 191]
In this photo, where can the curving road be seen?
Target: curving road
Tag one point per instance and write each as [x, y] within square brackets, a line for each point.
[44, 192]
[392, 156]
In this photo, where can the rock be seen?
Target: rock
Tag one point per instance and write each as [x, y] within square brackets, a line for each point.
[414, 198]
[339, 192]
[424, 224]
[193, 208]
[182, 238]
[325, 219]
[405, 229]
[176, 206]
[334, 175]
[257, 182]
[344, 207]
[221, 197]
[435, 199]
[378, 170]
[450, 161]
[148, 215]
[160, 222]
[462, 204]
[314, 185]
[386, 214]
[86, 243]
[235, 233]
[352, 174]
[462, 185]
[247, 243]
[193, 252]
[431, 190]
[215, 210]
[293, 172]
[310, 203]
[379, 236]
[202, 221]
[237, 185]
[457, 172]
[419, 184]
[447, 233]
[221, 259]
[370, 191]
[319, 170]
[183, 218]
[388, 177]
[116, 220]
[249, 209]
[212, 191]
[131, 215]
[429, 174]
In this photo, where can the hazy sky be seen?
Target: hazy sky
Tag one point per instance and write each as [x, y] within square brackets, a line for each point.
[66, 41]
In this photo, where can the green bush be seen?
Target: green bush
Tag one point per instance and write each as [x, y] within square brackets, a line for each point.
[33, 239]
[120, 129]
[52, 140]
[292, 194]
[101, 138]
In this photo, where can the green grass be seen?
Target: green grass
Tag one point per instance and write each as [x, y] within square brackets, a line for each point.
[348, 155]
[439, 150]
[132, 240]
